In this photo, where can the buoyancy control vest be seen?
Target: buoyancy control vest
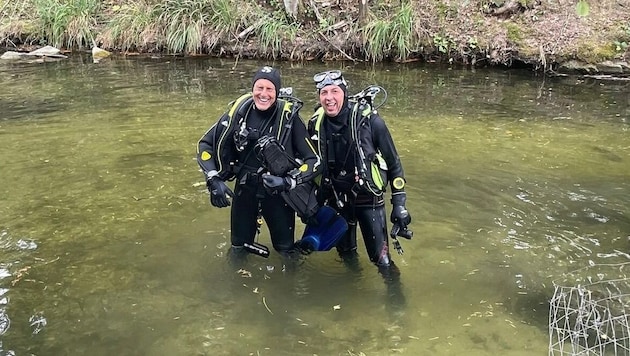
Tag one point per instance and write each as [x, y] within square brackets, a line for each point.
[370, 168]
[226, 157]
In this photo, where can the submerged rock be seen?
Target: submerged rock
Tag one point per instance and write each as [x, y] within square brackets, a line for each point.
[99, 53]
[607, 67]
[12, 55]
[46, 51]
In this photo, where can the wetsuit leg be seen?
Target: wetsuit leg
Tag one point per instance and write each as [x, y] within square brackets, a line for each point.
[347, 244]
[373, 224]
[243, 215]
[391, 277]
[280, 219]
[347, 248]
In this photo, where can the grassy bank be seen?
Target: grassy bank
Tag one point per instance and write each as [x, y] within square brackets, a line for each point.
[539, 33]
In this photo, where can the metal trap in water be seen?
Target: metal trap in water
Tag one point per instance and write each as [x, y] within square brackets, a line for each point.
[588, 313]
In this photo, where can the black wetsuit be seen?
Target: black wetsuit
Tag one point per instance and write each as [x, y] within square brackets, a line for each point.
[246, 166]
[340, 188]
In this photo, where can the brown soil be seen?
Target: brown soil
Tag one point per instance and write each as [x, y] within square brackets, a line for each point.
[540, 34]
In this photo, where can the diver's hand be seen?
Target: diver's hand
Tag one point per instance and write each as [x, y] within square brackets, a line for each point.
[400, 216]
[274, 184]
[219, 192]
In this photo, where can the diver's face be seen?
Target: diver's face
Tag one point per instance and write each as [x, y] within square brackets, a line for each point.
[331, 97]
[264, 93]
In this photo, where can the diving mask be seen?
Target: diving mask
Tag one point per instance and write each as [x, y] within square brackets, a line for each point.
[331, 77]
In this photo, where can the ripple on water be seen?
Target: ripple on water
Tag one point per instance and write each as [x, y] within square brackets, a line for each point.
[5, 322]
[492, 190]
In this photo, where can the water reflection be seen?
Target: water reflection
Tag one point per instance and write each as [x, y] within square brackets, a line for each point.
[109, 245]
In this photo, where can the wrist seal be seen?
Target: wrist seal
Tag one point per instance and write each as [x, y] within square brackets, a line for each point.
[399, 199]
[211, 174]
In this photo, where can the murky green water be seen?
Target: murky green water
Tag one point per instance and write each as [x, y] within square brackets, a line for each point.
[108, 246]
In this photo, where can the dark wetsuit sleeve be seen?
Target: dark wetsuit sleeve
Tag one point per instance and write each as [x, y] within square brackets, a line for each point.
[384, 143]
[206, 149]
[305, 151]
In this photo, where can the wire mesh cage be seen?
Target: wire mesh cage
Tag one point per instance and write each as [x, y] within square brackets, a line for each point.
[588, 313]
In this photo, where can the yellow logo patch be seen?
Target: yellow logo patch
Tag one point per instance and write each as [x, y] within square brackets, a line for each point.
[205, 155]
[398, 183]
[304, 168]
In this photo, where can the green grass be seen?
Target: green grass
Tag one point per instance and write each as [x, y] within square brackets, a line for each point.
[402, 32]
[133, 26]
[183, 22]
[393, 37]
[195, 26]
[377, 40]
[15, 20]
[393, 29]
[272, 32]
[66, 24]
[177, 26]
[226, 17]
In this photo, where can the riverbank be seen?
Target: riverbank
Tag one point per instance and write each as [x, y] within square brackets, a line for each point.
[542, 35]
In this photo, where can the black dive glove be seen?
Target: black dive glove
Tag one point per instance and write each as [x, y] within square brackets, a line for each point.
[274, 184]
[219, 192]
[400, 216]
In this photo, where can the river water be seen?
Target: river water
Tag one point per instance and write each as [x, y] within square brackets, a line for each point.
[108, 245]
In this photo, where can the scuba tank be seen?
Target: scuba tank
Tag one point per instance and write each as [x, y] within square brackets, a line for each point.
[365, 105]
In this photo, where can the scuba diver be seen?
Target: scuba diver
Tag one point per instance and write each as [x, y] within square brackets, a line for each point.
[262, 143]
[358, 159]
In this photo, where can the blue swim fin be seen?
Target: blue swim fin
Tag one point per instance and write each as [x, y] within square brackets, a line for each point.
[324, 234]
